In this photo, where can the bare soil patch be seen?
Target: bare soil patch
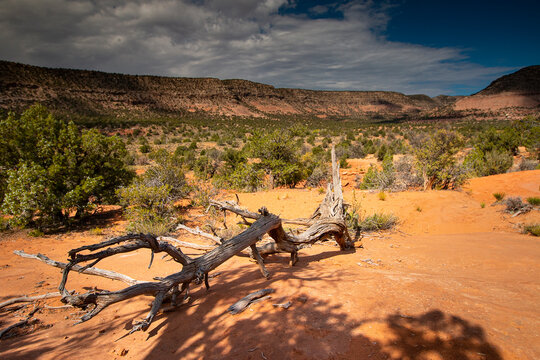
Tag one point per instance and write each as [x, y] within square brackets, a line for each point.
[453, 281]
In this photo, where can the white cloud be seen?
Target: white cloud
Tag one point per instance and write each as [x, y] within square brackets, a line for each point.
[245, 39]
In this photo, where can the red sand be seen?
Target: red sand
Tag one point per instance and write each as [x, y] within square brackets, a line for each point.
[454, 281]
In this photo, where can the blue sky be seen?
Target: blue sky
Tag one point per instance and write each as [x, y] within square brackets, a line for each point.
[431, 47]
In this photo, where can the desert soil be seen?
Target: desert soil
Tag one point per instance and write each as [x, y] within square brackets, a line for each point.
[454, 280]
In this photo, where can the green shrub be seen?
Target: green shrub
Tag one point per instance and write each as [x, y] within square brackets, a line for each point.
[499, 196]
[145, 148]
[377, 221]
[375, 179]
[204, 167]
[437, 160]
[51, 169]
[489, 163]
[534, 201]
[167, 172]
[503, 141]
[149, 209]
[533, 229]
[4, 223]
[279, 157]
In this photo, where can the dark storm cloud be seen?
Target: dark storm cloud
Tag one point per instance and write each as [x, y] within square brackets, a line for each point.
[245, 39]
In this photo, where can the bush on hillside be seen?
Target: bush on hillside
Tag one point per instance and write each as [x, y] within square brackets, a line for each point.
[379, 179]
[437, 161]
[279, 157]
[149, 201]
[488, 163]
[51, 170]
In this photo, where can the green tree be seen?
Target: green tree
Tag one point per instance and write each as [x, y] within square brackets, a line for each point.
[437, 160]
[279, 157]
[49, 169]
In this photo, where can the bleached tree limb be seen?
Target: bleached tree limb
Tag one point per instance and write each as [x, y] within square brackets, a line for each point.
[199, 232]
[187, 244]
[89, 271]
[193, 271]
[22, 299]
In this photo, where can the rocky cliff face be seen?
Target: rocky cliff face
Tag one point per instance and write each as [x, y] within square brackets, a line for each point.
[98, 93]
[520, 89]
[93, 92]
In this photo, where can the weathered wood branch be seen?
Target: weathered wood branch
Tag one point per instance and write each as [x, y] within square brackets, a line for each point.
[88, 271]
[22, 299]
[187, 244]
[199, 232]
[243, 303]
[194, 271]
[327, 221]
[132, 242]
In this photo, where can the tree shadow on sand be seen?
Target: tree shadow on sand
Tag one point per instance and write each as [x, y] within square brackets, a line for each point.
[314, 327]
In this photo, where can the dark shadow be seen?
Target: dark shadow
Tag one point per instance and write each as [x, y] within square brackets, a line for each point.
[435, 332]
[312, 328]
[102, 218]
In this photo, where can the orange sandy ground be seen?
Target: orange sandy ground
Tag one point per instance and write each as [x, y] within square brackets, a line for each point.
[453, 281]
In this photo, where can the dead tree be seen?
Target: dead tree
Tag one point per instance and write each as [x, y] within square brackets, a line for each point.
[327, 221]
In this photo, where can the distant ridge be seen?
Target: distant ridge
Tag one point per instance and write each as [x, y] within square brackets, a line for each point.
[84, 92]
[523, 81]
[520, 89]
[94, 92]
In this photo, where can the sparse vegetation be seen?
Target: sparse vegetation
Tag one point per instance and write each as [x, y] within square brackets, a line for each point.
[534, 201]
[516, 205]
[533, 229]
[437, 160]
[52, 172]
[377, 221]
[499, 196]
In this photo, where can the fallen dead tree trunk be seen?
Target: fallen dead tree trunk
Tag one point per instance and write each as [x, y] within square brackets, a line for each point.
[194, 270]
[327, 221]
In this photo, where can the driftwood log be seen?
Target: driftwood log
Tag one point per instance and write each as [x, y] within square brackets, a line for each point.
[327, 221]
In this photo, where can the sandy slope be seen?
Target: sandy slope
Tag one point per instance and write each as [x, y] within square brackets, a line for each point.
[457, 281]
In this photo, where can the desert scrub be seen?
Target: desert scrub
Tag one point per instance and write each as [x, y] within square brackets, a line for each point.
[375, 179]
[499, 196]
[149, 201]
[382, 196]
[534, 201]
[528, 164]
[533, 229]
[377, 221]
[96, 231]
[202, 194]
[51, 170]
[436, 159]
[515, 205]
[148, 208]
